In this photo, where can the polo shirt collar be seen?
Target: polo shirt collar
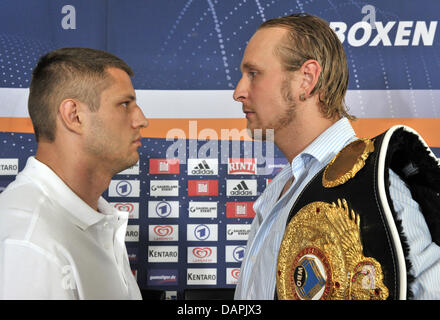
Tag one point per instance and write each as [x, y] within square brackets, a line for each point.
[79, 212]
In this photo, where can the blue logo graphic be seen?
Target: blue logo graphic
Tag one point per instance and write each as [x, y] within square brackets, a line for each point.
[163, 209]
[202, 232]
[309, 279]
[123, 188]
[238, 253]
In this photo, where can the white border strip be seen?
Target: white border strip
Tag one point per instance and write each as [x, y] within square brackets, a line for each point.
[213, 104]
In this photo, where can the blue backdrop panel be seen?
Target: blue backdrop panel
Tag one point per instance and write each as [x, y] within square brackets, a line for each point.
[198, 44]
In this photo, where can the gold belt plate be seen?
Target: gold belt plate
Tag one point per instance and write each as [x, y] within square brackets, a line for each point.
[347, 163]
[321, 257]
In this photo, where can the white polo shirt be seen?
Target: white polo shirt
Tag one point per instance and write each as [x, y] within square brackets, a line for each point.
[54, 246]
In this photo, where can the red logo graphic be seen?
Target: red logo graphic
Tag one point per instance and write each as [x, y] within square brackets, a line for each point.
[242, 166]
[202, 188]
[240, 210]
[164, 166]
[122, 206]
[163, 231]
[235, 273]
[202, 253]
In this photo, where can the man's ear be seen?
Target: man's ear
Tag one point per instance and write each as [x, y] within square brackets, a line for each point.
[310, 70]
[70, 115]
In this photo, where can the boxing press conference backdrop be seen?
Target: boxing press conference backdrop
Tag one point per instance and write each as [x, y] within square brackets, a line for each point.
[190, 196]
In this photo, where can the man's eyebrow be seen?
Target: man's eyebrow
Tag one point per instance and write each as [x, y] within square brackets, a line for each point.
[128, 97]
[248, 66]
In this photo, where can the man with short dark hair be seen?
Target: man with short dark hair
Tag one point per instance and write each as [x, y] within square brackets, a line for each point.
[348, 218]
[59, 239]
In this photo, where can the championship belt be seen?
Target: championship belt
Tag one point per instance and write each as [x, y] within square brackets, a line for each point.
[342, 240]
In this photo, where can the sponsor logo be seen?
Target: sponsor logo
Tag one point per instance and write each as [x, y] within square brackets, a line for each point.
[168, 188]
[164, 166]
[202, 232]
[242, 166]
[124, 188]
[202, 188]
[202, 167]
[131, 207]
[206, 276]
[162, 277]
[163, 209]
[235, 253]
[132, 233]
[202, 254]
[390, 33]
[163, 232]
[240, 210]
[198, 209]
[8, 167]
[132, 170]
[237, 231]
[163, 254]
[232, 275]
[241, 188]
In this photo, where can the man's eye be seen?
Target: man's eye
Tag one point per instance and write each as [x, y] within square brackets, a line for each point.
[125, 104]
[252, 74]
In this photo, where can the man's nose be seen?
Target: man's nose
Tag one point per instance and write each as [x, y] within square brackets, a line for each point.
[140, 121]
[240, 92]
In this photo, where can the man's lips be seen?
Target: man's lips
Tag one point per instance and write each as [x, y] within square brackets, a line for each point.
[137, 141]
[248, 113]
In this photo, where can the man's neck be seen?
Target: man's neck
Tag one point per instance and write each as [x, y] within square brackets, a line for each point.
[292, 141]
[83, 177]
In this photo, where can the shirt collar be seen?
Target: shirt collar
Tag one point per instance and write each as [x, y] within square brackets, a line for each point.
[58, 192]
[330, 141]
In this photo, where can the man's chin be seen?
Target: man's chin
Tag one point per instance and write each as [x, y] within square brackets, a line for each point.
[128, 163]
[133, 160]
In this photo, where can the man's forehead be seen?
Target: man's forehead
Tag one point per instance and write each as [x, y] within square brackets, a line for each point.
[262, 46]
[267, 36]
[117, 73]
[120, 84]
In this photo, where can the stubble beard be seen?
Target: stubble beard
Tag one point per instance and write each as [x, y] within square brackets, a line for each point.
[283, 120]
[101, 147]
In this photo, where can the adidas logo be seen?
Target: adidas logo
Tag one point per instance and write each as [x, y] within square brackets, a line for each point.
[207, 167]
[242, 188]
[202, 169]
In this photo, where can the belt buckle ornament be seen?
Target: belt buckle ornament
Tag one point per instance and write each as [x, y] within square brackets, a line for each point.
[321, 257]
[347, 163]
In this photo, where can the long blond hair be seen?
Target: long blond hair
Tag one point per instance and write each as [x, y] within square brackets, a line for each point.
[310, 37]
